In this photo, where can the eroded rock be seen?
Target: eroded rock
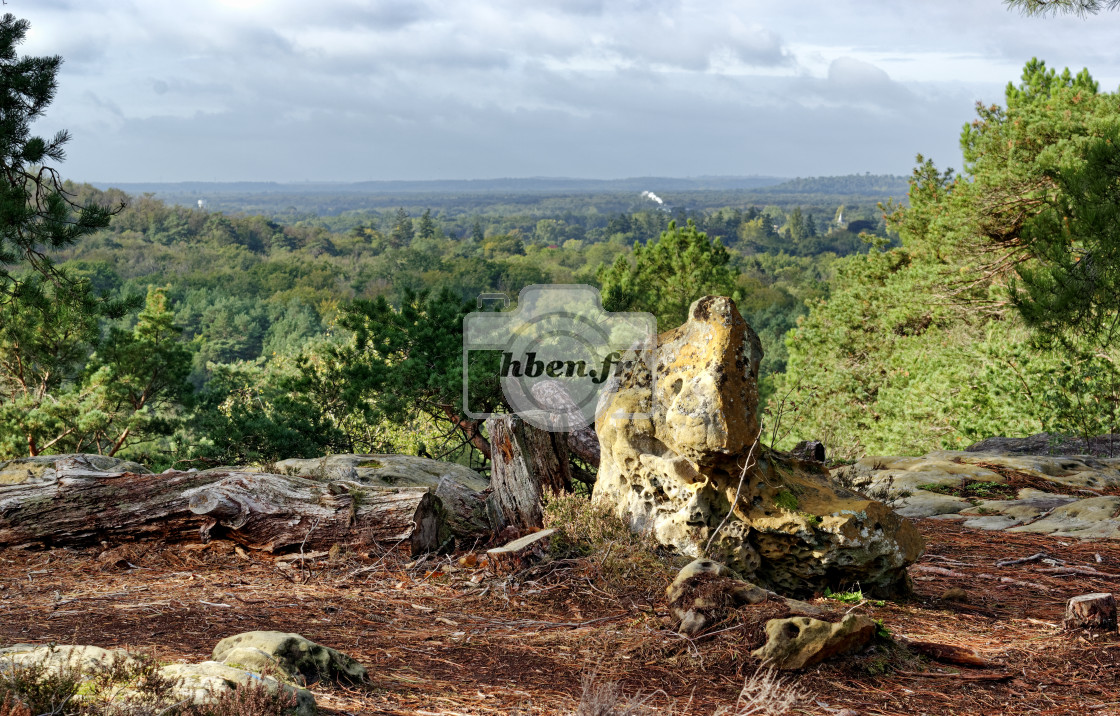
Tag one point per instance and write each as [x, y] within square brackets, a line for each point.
[294, 656]
[206, 682]
[704, 592]
[1046, 494]
[674, 448]
[800, 642]
[59, 657]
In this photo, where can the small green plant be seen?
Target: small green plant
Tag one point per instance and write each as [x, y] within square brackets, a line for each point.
[882, 633]
[854, 596]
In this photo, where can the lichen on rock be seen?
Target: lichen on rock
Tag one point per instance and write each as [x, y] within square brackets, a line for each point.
[682, 459]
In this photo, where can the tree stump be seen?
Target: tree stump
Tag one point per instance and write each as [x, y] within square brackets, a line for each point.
[527, 463]
[1091, 611]
[519, 553]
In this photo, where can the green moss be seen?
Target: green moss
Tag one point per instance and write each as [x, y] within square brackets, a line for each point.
[811, 519]
[369, 464]
[973, 489]
[786, 500]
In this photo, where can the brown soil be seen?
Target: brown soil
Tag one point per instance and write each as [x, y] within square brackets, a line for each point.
[437, 643]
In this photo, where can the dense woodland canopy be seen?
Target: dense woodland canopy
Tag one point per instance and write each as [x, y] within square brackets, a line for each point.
[180, 335]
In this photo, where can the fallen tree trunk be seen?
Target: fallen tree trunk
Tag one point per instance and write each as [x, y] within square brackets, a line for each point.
[77, 506]
[276, 512]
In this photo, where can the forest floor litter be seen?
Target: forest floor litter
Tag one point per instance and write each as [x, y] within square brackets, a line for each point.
[442, 637]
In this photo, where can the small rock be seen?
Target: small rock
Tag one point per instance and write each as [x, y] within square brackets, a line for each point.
[799, 642]
[809, 450]
[956, 594]
[292, 655]
[705, 590]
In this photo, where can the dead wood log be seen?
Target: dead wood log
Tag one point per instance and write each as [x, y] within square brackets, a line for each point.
[519, 553]
[527, 463]
[1091, 611]
[947, 653]
[79, 507]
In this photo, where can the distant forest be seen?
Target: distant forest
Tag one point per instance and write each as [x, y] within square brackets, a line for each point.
[256, 304]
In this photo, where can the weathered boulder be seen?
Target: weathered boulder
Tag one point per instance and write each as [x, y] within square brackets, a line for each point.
[800, 642]
[1047, 444]
[59, 657]
[204, 683]
[294, 656]
[681, 459]
[1059, 495]
[704, 591]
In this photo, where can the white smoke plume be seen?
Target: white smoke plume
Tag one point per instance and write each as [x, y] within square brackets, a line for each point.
[652, 197]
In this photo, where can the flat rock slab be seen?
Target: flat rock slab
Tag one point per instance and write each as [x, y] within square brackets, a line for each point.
[1057, 495]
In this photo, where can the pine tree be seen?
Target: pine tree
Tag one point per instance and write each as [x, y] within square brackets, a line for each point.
[403, 231]
[36, 214]
[427, 228]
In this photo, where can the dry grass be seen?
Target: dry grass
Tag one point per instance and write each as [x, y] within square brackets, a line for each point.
[764, 693]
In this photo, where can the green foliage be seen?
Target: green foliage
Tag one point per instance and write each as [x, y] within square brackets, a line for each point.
[667, 275]
[36, 214]
[974, 489]
[399, 364]
[961, 333]
[853, 596]
[1045, 195]
[253, 412]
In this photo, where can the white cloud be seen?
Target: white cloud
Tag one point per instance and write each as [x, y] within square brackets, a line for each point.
[353, 89]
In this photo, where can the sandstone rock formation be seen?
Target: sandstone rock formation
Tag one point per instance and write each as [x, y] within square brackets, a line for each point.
[704, 592]
[799, 642]
[676, 444]
[276, 660]
[299, 659]
[1063, 496]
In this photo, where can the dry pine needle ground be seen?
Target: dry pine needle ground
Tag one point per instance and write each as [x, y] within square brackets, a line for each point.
[440, 638]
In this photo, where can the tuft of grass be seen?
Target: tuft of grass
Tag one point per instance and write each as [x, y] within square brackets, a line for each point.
[623, 558]
[764, 693]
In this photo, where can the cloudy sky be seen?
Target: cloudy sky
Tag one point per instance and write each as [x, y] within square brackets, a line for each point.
[349, 90]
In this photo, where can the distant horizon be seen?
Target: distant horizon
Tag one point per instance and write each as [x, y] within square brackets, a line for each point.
[768, 178]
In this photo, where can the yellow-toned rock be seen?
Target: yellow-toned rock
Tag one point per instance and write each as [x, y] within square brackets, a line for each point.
[675, 443]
